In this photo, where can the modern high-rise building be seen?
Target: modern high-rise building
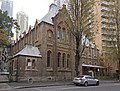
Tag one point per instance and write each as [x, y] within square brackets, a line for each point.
[22, 20]
[7, 5]
[105, 33]
[105, 14]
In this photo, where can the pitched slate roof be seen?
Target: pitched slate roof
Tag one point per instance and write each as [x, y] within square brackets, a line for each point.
[29, 50]
[53, 10]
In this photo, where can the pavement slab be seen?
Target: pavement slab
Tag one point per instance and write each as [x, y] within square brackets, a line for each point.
[4, 86]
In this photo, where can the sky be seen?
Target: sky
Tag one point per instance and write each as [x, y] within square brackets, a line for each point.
[35, 9]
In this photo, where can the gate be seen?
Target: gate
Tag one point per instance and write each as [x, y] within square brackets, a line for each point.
[4, 74]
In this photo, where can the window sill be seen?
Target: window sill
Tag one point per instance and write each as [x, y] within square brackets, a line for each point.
[31, 69]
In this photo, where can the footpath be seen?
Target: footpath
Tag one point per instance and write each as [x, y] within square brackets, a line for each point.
[22, 85]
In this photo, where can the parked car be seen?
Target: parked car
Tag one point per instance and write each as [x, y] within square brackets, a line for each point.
[85, 80]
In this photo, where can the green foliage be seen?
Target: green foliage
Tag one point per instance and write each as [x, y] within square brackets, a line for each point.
[3, 37]
[6, 25]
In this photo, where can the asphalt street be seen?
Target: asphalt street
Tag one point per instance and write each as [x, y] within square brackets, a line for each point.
[101, 87]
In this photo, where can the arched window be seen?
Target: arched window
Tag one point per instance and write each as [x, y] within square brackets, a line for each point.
[63, 33]
[50, 33]
[48, 58]
[67, 36]
[59, 32]
[63, 60]
[59, 56]
[68, 60]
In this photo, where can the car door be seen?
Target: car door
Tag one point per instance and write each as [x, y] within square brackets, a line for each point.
[94, 81]
[90, 80]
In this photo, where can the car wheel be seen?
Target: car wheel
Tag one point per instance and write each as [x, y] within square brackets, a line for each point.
[86, 84]
[97, 83]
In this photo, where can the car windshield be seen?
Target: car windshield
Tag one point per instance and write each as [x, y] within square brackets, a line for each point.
[80, 76]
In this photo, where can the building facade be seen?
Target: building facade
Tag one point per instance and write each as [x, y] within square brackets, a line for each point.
[22, 20]
[51, 35]
[105, 33]
[7, 5]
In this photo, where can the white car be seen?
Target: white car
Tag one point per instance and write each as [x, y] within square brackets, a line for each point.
[85, 80]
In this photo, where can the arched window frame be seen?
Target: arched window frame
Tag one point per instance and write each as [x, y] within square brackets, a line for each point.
[59, 59]
[68, 60]
[50, 33]
[63, 60]
[63, 33]
[48, 58]
[58, 32]
[67, 36]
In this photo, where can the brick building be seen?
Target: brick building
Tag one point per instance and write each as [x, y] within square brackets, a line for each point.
[52, 37]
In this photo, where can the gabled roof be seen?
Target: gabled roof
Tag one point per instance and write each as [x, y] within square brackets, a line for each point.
[29, 50]
[53, 10]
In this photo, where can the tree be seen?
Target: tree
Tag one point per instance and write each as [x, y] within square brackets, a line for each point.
[3, 37]
[6, 25]
[117, 19]
[82, 17]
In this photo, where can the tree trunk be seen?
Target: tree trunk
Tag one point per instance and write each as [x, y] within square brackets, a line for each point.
[77, 57]
[119, 69]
